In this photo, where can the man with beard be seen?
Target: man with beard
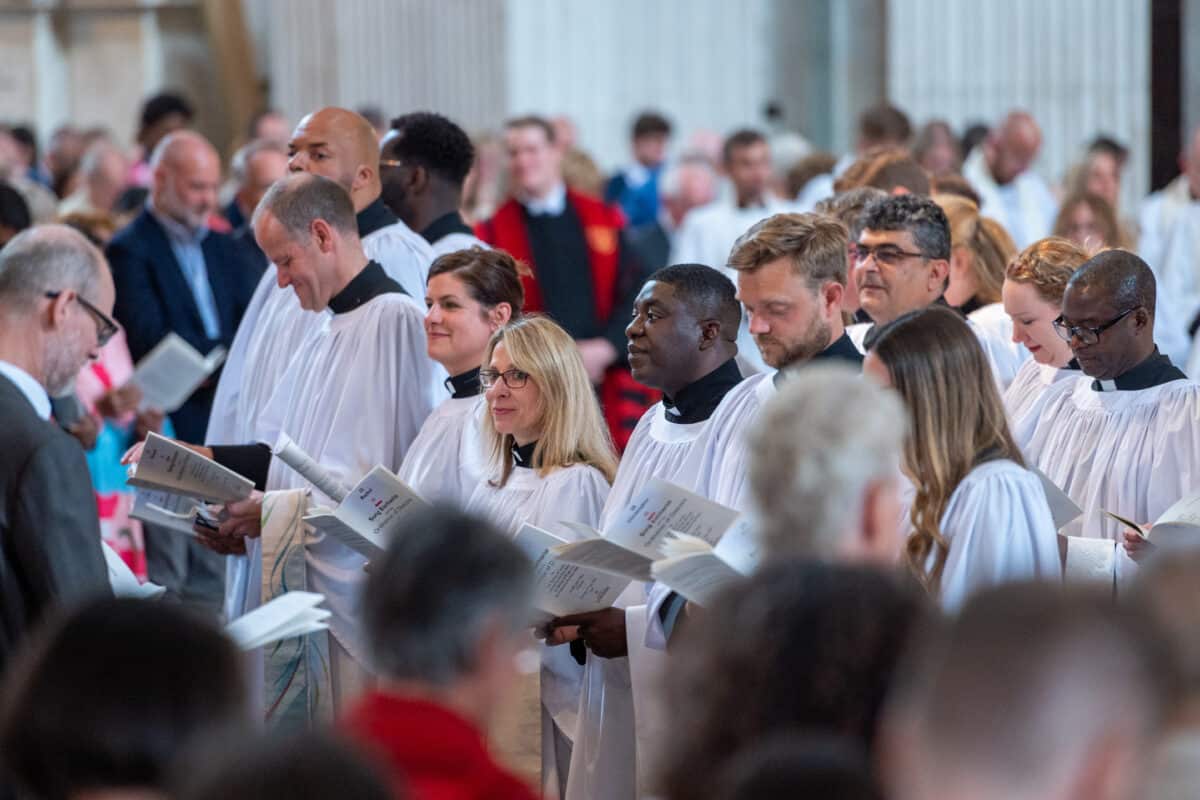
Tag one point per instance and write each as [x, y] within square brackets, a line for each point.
[55, 298]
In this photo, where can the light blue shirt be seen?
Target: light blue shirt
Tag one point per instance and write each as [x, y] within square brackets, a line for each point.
[34, 392]
[186, 245]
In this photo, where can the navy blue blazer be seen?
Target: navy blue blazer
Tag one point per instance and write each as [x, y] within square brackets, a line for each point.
[154, 299]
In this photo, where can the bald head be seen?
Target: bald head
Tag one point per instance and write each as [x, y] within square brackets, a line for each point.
[1013, 146]
[1118, 275]
[1113, 292]
[338, 144]
[187, 175]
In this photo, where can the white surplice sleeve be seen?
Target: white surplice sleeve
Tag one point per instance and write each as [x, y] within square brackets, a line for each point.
[999, 529]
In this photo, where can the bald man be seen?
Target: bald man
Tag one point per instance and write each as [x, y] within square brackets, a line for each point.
[1170, 243]
[1010, 191]
[174, 275]
[1123, 437]
[340, 145]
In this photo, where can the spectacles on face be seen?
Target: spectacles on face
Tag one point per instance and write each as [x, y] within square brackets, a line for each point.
[885, 254]
[1087, 336]
[105, 327]
[513, 378]
[390, 162]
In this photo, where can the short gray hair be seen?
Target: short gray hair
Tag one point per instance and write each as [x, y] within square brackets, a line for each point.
[301, 199]
[672, 175]
[48, 258]
[820, 442]
[430, 598]
[239, 165]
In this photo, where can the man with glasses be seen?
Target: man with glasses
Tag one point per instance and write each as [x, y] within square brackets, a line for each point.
[902, 264]
[55, 298]
[1125, 436]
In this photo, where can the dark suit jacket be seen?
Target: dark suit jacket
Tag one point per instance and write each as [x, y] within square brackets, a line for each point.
[154, 299]
[49, 532]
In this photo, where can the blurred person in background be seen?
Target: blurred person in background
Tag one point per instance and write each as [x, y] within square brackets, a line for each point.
[880, 126]
[936, 148]
[161, 114]
[635, 187]
[14, 213]
[1088, 220]
[102, 174]
[1001, 170]
[684, 185]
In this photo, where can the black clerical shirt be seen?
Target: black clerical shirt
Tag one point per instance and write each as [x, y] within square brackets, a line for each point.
[523, 454]
[465, 385]
[1156, 370]
[254, 460]
[445, 225]
[374, 217]
[698, 400]
[840, 349]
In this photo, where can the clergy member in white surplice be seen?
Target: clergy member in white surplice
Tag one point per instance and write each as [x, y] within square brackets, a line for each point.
[682, 342]
[1123, 437]
[1170, 244]
[339, 145]
[1009, 190]
[353, 396]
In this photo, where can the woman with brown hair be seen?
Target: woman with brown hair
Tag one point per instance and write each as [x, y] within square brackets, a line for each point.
[978, 516]
[470, 295]
[1034, 282]
[1088, 221]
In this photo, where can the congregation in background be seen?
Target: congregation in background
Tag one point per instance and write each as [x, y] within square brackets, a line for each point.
[867, 475]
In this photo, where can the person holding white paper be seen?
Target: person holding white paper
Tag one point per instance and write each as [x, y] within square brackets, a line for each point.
[551, 461]
[339, 145]
[354, 396]
[1123, 436]
[1032, 293]
[682, 342]
[978, 516]
[471, 294]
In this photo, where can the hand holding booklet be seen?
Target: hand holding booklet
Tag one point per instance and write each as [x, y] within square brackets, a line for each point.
[168, 466]
[172, 371]
[698, 571]
[636, 537]
[284, 617]
[1182, 517]
[564, 588]
[375, 510]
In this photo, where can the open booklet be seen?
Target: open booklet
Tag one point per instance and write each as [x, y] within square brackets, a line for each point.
[564, 588]
[370, 514]
[1183, 516]
[698, 571]
[288, 615]
[172, 371]
[122, 580]
[167, 466]
[634, 540]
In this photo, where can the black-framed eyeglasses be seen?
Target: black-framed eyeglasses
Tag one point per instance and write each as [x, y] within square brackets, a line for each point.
[886, 254]
[390, 162]
[105, 327]
[513, 378]
[1087, 336]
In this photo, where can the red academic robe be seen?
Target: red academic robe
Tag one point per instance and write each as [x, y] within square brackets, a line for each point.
[623, 399]
[430, 752]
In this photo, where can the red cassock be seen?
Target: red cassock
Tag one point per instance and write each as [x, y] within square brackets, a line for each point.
[430, 752]
[623, 399]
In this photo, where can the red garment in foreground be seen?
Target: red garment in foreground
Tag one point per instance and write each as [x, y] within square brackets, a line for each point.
[622, 399]
[430, 752]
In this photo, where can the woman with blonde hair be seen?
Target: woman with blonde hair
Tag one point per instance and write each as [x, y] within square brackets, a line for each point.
[980, 249]
[470, 295]
[978, 516]
[1034, 283]
[551, 462]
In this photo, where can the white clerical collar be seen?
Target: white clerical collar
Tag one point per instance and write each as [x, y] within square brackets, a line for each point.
[553, 204]
[34, 392]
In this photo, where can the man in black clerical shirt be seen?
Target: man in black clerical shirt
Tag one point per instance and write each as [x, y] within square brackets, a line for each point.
[791, 274]
[424, 160]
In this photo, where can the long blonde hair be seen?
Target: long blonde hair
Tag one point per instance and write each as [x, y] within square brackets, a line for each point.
[958, 421]
[572, 428]
[985, 239]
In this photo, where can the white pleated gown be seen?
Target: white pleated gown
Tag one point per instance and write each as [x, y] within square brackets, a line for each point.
[1133, 453]
[999, 529]
[571, 494]
[448, 460]
[609, 751]
[354, 395]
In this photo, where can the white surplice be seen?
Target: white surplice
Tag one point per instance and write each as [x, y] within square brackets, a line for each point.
[1132, 452]
[453, 242]
[999, 529]
[1026, 388]
[449, 458]
[274, 323]
[354, 395]
[604, 760]
[571, 494]
[1170, 244]
[1025, 206]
